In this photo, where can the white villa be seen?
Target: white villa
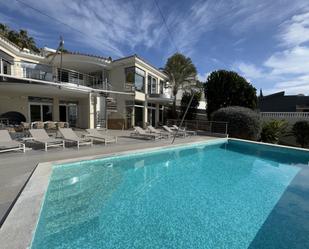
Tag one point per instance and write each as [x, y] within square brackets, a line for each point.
[86, 91]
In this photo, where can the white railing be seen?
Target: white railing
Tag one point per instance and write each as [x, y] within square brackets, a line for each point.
[289, 116]
[46, 72]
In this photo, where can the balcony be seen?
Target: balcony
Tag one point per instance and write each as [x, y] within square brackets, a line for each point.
[70, 76]
[43, 72]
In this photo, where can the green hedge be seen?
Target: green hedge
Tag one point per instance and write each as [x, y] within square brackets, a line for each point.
[301, 132]
[242, 122]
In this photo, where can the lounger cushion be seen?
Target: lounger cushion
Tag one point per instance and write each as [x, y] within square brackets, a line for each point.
[9, 144]
[49, 140]
[5, 136]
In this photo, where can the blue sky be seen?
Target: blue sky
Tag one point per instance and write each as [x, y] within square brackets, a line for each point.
[266, 41]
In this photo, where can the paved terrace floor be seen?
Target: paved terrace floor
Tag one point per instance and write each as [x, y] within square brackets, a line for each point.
[16, 167]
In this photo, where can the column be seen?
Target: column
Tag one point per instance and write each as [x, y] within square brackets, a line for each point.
[145, 109]
[132, 117]
[56, 116]
[1, 66]
[145, 113]
[146, 83]
[92, 111]
[157, 118]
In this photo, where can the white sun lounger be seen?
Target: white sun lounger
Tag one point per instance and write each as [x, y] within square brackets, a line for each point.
[7, 144]
[169, 130]
[96, 135]
[155, 131]
[41, 136]
[69, 135]
[140, 133]
[193, 133]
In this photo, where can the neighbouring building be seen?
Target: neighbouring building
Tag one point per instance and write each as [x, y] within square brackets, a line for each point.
[278, 106]
[279, 102]
[86, 91]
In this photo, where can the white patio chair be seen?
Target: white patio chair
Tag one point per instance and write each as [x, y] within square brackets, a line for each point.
[41, 136]
[69, 135]
[96, 135]
[7, 144]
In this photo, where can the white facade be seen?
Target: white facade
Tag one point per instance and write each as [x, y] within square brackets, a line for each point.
[85, 90]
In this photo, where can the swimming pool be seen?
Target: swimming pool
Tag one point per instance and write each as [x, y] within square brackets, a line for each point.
[212, 195]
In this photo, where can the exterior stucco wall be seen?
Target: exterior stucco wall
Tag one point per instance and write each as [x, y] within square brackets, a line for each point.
[14, 102]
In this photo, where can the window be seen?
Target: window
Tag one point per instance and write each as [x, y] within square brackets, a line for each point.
[41, 112]
[5, 61]
[152, 84]
[35, 113]
[41, 109]
[161, 86]
[6, 67]
[136, 76]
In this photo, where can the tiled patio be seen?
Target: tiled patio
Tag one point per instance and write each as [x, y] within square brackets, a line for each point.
[16, 167]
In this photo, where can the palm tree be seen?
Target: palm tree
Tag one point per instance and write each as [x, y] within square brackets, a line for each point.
[27, 41]
[21, 38]
[180, 70]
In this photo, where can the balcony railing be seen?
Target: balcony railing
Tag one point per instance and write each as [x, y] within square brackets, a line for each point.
[31, 73]
[160, 95]
[212, 127]
[48, 73]
[78, 78]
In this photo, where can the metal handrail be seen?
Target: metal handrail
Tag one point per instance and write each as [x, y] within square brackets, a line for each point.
[183, 117]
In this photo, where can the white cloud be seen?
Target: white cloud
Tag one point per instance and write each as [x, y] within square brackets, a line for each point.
[291, 61]
[288, 69]
[112, 26]
[105, 25]
[261, 13]
[295, 31]
[289, 90]
[248, 70]
[203, 77]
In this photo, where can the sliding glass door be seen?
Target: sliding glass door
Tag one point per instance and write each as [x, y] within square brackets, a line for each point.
[68, 113]
[41, 112]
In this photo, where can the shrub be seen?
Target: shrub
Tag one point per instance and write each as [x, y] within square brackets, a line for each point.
[273, 130]
[242, 122]
[186, 97]
[301, 132]
[227, 88]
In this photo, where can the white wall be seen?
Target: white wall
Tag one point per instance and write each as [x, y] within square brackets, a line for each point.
[290, 117]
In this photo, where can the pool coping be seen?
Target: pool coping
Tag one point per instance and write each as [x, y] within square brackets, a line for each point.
[19, 227]
[269, 144]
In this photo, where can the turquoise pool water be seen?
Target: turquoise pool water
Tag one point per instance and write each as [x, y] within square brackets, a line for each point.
[199, 196]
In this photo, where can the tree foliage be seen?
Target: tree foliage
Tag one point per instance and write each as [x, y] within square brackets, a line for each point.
[273, 130]
[180, 70]
[226, 88]
[185, 100]
[301, 132]
[20, 38]
[242, 122]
